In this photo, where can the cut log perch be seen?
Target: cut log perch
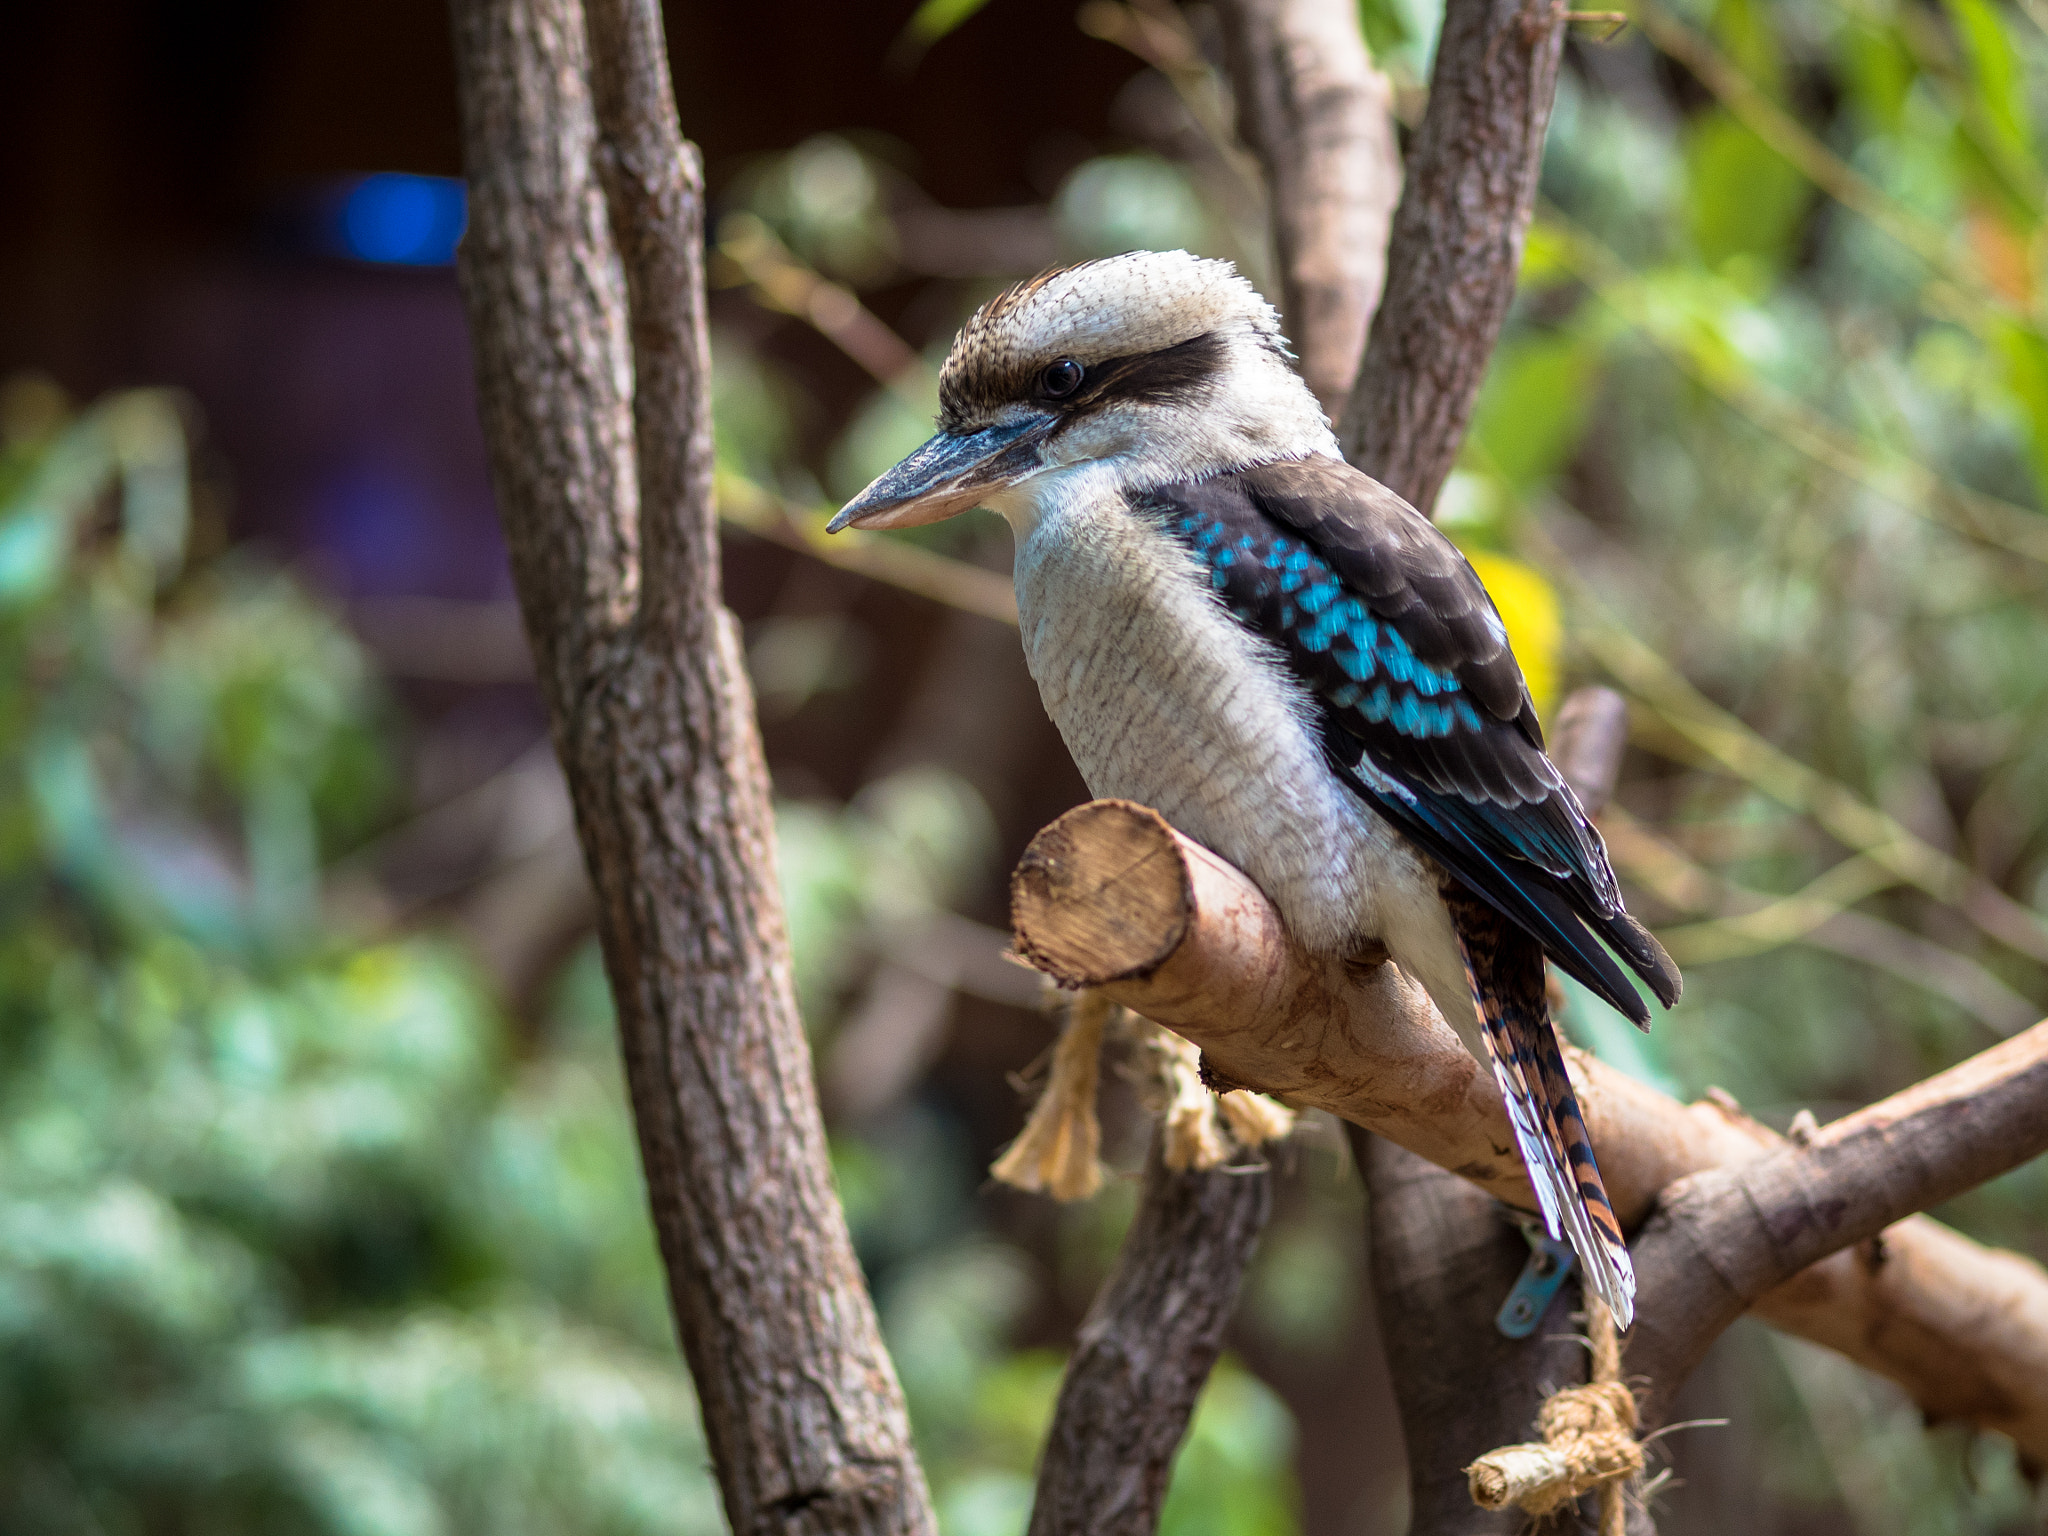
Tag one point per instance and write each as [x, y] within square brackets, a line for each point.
[1110, 896]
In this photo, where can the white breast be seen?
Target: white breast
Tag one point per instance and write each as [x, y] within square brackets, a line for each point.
[1163, 698]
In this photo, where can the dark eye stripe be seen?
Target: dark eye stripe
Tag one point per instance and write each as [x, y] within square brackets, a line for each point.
[1171, 373]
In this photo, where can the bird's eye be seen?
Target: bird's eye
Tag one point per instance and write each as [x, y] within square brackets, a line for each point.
[1060, 379]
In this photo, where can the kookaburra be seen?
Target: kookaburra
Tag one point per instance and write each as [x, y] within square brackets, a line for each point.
[1229, 623]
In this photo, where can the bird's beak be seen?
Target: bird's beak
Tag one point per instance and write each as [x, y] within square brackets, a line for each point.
[949, 474]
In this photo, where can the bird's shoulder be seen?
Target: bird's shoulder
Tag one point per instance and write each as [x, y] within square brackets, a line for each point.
[1302, 545]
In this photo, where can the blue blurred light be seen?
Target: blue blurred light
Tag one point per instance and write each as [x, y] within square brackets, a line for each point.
[401, 220]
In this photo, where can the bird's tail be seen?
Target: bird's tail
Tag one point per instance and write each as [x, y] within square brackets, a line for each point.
[1505, 968]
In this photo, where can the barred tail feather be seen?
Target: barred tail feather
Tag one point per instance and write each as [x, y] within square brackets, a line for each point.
[1505, 969]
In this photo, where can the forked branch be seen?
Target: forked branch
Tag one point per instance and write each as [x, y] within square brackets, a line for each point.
[1725, 1236]
[1110, 896]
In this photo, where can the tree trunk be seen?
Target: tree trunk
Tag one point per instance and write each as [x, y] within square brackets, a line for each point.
[582, 273]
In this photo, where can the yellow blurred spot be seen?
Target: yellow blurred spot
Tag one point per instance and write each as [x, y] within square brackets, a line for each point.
[2002, 254]
[1528, 606]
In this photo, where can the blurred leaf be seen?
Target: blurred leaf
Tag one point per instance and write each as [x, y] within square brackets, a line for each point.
[1533, 407]
[1233, 1477]
[1880, 72]
[31, 552]
[147, 439]
[1304, 1285]
[1747, 32]
[284, 1243]
[985, 1504]
[754, 411]
[1998, 80]
[933, 19]
[824, 200]
[1743, 199]
[1132, 202]
[1402, 35]
[2026, 376]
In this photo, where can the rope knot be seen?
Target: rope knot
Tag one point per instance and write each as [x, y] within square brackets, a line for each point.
[1589, 1442]
[1598, 1409]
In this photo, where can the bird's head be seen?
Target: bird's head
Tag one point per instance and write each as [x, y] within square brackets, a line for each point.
[1166, 365]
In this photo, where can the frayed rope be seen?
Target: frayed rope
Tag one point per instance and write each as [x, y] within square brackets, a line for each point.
[1589, 1442]
[1059, 1150]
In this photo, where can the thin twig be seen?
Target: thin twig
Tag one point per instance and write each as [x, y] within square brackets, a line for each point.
[781, 282]
[891, 561]
[1820, 165]
[1747, 922]
[1903, 481]
[1724, 739]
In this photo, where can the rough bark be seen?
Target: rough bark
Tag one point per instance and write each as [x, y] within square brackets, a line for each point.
[1320, 120]
[1443, 1259]
[586, 313]
[1110, 896]
[1457, 243]
[1723, 1237]
[1146, 1348]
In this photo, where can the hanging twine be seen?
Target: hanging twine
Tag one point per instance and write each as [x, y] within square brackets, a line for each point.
[1589, 1442]
[1202, 1128]
[1059, 1150]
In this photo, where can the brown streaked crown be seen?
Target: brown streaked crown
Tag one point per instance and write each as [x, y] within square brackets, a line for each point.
[1146, 325]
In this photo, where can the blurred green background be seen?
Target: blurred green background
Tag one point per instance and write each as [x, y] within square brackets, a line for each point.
[319, 1205]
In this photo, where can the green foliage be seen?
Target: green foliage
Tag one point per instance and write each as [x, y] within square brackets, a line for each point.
[1745, 201]
[1533, 408]
[288, 1241]
[1133, 202]
[1401, 35]
[933, 19]
[293, 1237]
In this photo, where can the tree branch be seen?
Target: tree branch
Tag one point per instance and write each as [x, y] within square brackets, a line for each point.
[1320, 120]
[654, 193]
[595, 407]
[1457, 242]
[1442, 1261]
[1725, 1236]
[1146, 1348]
[1110, 896]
